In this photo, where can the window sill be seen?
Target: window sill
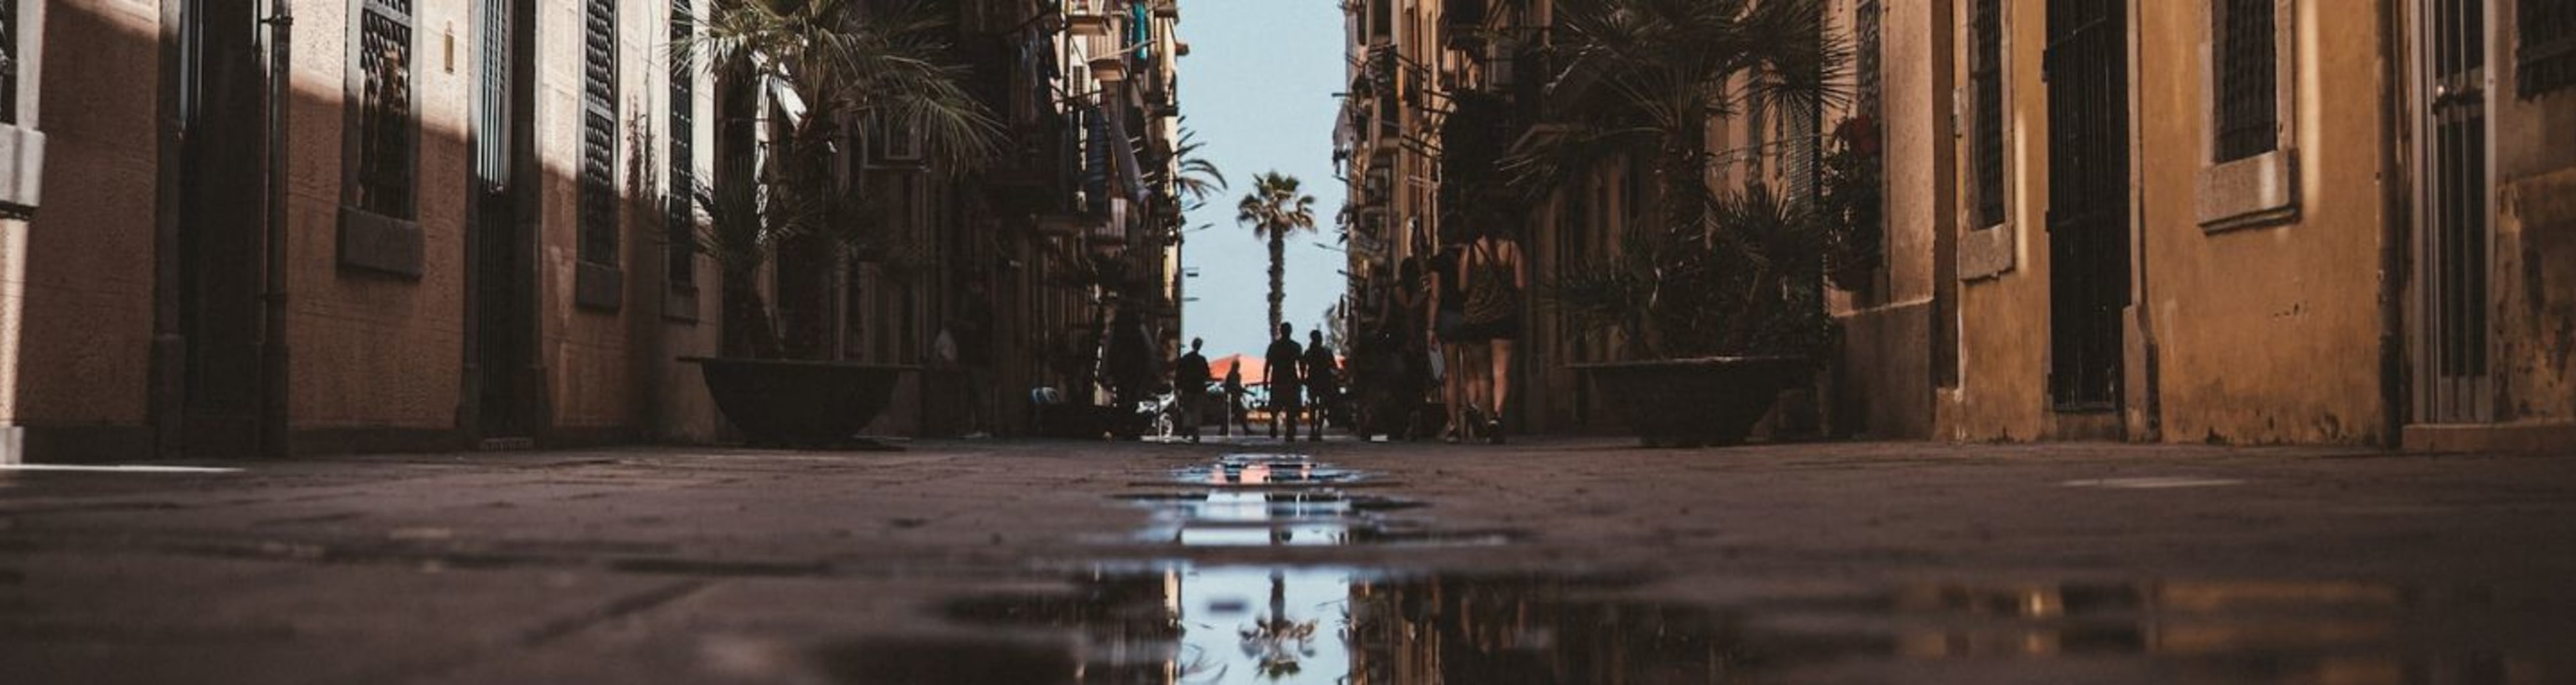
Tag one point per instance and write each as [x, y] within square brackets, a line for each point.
[1988, 253]
[22, 169]
[2262, 190]
[599, 287]
[379, 243]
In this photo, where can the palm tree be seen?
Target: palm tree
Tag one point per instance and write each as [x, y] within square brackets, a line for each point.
[828, 66]
[1664, 68]
[1658, 72]
[1273, 210]
[1199, 178]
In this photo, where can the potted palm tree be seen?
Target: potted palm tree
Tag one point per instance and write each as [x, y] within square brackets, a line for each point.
[828, 70]
[1719, 301]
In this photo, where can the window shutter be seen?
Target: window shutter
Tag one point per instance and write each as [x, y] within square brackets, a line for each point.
[598, 200]
[682, 250]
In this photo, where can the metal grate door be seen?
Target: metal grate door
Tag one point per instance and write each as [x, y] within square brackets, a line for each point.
[2453, 383]
[2088, 200]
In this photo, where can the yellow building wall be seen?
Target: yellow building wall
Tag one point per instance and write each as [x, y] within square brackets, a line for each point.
[2535, 248]
[2003, 332]
[2267, 334]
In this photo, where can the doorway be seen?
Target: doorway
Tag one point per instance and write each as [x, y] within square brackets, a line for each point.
[503, 323]
[2453, 383]
[2088, 201]
[221, 223]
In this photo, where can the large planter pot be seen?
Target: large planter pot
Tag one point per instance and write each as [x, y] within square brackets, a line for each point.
[1695, 402]
[789, 403]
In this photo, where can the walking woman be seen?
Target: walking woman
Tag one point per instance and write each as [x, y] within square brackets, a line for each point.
[1448, 319]
[1493, 277]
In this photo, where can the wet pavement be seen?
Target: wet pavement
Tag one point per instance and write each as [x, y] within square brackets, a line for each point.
[1555, 561]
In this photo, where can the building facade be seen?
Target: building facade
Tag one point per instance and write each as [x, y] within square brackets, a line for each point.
[2242, 222]
[2227, 221]
[322, 226]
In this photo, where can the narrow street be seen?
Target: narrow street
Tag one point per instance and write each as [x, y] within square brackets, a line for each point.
[1553, 561]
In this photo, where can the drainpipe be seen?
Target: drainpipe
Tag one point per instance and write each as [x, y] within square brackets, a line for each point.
[272, 348]
[2394, 226]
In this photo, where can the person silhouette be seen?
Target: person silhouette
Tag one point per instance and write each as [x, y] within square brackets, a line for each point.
[1189, 385]
[1285, 384]
[1323, 389]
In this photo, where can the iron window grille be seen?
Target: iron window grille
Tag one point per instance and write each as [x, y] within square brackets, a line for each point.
[2545, 60]
[2248, 73]
[682, 247]
[385, 114]
[9, 62]
[598, 200]
[1985, 75]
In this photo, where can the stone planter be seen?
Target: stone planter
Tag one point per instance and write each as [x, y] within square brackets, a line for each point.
[1695, 402]
[803, 404]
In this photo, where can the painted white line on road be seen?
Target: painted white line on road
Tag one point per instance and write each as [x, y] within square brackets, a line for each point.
[113, 468]
[2151, 483]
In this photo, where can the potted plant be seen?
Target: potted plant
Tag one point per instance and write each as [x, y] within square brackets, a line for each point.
[1719, 300]
[826, 70]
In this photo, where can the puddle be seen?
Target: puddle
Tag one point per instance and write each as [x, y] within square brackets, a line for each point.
[1285, 500]
[1185, 622]
[1267, 470]
[1271, 624]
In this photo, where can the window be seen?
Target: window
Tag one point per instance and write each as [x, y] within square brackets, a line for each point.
[681, 249]
[598, 200]
[1985, 75]
[897, 143]
[22, 33]
[2246, 71]
[2251, 178]
[9, 52]
[2546, 58]
[387, 123]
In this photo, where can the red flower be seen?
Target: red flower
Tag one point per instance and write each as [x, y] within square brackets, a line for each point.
[1859, 134]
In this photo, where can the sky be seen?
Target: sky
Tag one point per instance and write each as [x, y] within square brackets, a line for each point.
[1258, 87]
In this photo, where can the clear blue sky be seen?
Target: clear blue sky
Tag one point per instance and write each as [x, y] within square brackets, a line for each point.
[1258, 88]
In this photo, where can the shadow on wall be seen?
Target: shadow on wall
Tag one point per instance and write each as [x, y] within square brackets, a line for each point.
[142, 306]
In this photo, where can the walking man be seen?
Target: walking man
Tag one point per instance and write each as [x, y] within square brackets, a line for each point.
[1285, 384]
[1189, 384]
[1233, 401]
[1323, 389]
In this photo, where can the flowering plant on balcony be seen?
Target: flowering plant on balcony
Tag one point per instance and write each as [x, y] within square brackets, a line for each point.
[1852, 198]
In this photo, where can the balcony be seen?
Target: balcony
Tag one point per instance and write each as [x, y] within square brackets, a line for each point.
[1087, 20]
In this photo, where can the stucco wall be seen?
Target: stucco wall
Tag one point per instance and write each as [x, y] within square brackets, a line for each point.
[2003, 333]
[2267, 334]
[1885, 383]
[85, 318]
[2535, 248]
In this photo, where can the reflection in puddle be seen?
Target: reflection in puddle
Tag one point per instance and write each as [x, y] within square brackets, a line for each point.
[1261, 500]
[1267, 624]
[1267, 470]
[1327, 625]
